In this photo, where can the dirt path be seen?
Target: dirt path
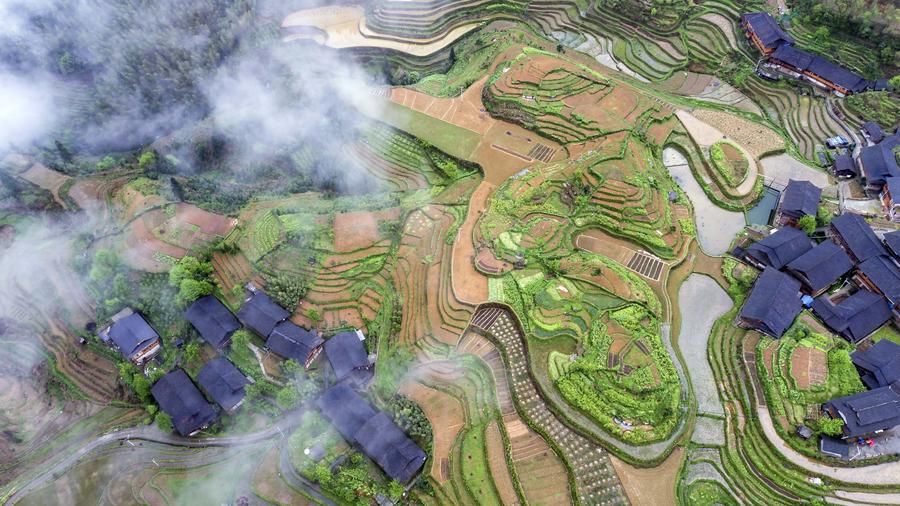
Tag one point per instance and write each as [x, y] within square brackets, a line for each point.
[468, 284]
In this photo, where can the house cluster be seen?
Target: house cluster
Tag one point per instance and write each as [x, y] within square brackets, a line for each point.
[784, 59]
[223, 383]
[850, 282]
[372, 432]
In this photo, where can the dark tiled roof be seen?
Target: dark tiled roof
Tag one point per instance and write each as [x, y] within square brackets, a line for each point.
[382, 441]
[773, 303]
[884, 274]
[177, 395]
[844, 164]
[766, 28]
[879, 161]
[223, 382]
[892, 241]
[213, 320]
[291, 341]
[822, 67]
[858, 236]
[780, 248]
[800, 198]
[834, 447]
[855, 317]
[260, 314]
[345, 409]
[132, 335]
[822, 265]
[893, 187]
[880, 363]
[346, 352]
[870, 411]
[873, 130]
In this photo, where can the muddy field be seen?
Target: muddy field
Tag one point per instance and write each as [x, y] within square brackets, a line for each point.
[359, 229]
[655, 485]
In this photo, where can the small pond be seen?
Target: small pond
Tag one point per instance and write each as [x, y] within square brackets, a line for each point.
[763, 211]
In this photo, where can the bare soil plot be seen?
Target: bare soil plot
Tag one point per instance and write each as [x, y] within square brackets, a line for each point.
[47, 179]
[598, 241]
[468, 284]
[654, 485]
[543, 477]
[496, 453]
[466, 110]
[809, 367]
[359, 229]
[755, 138]
[446, 416]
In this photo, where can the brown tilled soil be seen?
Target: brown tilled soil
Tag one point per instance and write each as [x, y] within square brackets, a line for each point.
[809, 366]
[497, 462]
[469, 285]
[47, 179]
[654, 485]
[359, 229]
[756, 139]
[446, 417]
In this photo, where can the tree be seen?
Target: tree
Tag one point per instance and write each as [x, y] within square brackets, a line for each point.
[66, 63]
[191, 352]
[823, 216]
[894, 82]
[164, 422]
[192, 289]
[141, 386]
[807, 223]
[192, 277]
[147, 160]
[286, 290]
[821, 34]
[287, 397]
[831, 426]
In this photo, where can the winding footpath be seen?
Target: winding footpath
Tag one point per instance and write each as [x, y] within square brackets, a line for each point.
[18, 490]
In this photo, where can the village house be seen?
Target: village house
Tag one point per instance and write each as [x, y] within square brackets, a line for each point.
[892, 243]
[872, 132]
[855, 317]
[799, 199]
[213, 321]
[347, 355]
[778, 249]
[224, 383]
[373, 432]
[878, 162]
[881, 275]
[866, 413]
[773, 303]
[890, 198]
[132, 336]
[879, 365]
[261, 314]
[294, 342]
[820, 267]
[844, 168]
[765, 33]
[852, 233]
[179, 398]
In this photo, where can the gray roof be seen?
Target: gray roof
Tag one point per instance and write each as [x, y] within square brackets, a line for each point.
[260, 313]
[821, 266]
[132, 335]
[884, 274]
[767, 29]
[178, 397]
[822, 67]
[870, 411]
[223, 382]
[879, 365]
[858, 236]
[800, 198]
[892, 241]
[773, 303]
[345, 409]
[873, 130]
[293, 342]
[878, 161]
[855, 317]
[382, 441]
[781, 248]
[843, 164]
[893, 186]
[213, 320]
[345, 353]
